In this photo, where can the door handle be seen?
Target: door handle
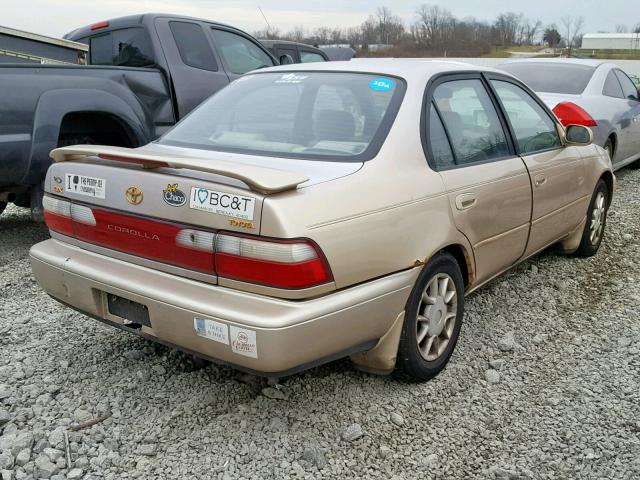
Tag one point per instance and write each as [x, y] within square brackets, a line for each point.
[540, 180]
[465, 201]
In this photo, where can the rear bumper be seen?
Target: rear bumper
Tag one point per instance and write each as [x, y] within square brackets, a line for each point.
[289, 335]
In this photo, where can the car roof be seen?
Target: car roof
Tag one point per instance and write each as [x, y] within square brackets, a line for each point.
[285, 42]
[133, 20]
[410, 69]
[590, 62]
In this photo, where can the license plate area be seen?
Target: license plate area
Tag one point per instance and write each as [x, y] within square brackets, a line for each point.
[130, 311]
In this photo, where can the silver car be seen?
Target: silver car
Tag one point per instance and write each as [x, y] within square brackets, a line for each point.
[592, 93]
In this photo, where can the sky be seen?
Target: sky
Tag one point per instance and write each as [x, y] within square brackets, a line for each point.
[57, 17]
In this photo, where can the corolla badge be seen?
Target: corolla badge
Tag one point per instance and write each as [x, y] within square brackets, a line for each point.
[134, 195]
[173, 196]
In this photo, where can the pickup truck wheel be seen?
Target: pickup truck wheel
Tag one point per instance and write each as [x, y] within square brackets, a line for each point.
[3, 205]
[433, 319]
[596, 221]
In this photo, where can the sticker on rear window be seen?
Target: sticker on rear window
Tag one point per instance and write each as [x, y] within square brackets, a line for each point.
[291, 78]
[89, 186]
[216, 331]
[237, 206]
[243, 342]
[381, 84]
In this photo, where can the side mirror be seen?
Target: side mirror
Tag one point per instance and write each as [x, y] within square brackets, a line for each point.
[286, 59]
[578, 135]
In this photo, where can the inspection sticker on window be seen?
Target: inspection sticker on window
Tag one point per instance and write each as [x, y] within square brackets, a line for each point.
[381, 84]
[243, 342]
[291, 78]
[228, 204]
[212, 330]
[89, 186]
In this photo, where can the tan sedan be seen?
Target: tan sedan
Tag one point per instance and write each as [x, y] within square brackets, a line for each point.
[305, 214]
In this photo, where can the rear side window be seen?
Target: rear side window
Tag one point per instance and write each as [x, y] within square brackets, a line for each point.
[240, 54]
[533, 127]
[127, 47]
[551, 77]
[101, 50]
[310, 57]
[471, 121]
[132, 48]
[438, 142]
[612, 86]
[193, 45]
[628, 88]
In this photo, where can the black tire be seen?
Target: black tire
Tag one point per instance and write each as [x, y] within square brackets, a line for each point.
[410, 360]
[3, 205]
[589, 245]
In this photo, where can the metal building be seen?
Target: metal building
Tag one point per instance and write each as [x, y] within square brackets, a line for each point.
[611, 41]
[17, 46]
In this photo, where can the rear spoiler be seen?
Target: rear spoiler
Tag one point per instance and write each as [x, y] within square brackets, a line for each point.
[259, 179]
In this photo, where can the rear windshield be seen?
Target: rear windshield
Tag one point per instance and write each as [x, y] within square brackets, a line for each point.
[551, 77]
[307, 115]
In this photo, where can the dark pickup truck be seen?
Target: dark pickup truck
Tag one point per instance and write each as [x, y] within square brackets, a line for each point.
[145, 73]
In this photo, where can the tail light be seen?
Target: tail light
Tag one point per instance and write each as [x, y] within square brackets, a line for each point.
[571, 114]
[276, 263]
[60, 215]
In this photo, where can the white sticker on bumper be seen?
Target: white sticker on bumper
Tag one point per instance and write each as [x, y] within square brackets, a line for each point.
[244, 342]
[212, 330]
[89, 186]
[222, 203]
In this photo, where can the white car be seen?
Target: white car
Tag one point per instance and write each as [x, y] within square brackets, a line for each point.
[592, 93]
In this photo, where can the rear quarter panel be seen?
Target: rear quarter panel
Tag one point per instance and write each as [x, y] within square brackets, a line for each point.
[387, 217]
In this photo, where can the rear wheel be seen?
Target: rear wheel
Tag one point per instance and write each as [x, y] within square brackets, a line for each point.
[596, 221]
[433, 319]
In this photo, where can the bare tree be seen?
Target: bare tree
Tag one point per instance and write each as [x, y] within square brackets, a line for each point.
[322, 35]
[507, 26]
[572, 30]
[297, 34]
[390, 27]
[621, 28]
[434, 25]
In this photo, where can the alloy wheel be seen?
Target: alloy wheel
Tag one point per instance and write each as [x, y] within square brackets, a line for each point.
[437, 314]
[597, 218]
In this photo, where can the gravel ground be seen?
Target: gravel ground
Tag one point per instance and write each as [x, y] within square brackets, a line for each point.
[543, 384]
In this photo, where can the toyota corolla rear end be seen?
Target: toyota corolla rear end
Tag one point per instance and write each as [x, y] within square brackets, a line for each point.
[205, 240]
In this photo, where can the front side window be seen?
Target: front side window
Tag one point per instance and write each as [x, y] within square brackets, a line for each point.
[612, 86]
[193, 46]
[310, 57]
[307, 115]
[629, 89]
[471, 121]
[534, 129]
[239, 53]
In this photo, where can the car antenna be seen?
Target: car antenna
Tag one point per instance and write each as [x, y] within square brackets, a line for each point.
[266, 21]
